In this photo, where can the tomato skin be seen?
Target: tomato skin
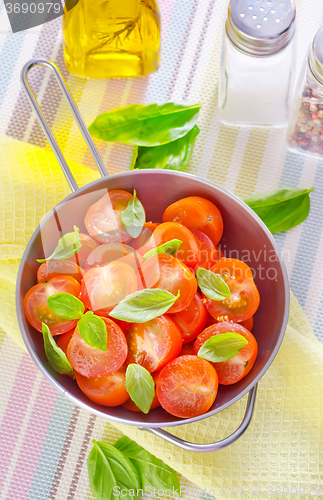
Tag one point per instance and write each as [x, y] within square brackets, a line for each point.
[64, 339]
[167, 272]
[154, 343]
[248, 323]
[90, 361]
[208, 253]
[187, 349]
[110, 252]
[37, 310]
[51, 268]
[191, 320]
[231, 371]
[107, 391]
[88, 245]
[198, 213]
[102, 219]
[146, 233]
[244, 300]
[130, 405]
[187, 386]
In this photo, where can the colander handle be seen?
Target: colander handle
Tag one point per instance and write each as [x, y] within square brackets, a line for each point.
[73, 107]
[219, 444]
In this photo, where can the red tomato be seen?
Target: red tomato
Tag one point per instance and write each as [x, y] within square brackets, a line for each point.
[64, 339]
[208, 252]
[107, 391]
[124, 325]
[187, 386]
[102, 219]
[110, 252]
[197, 213]
[88, 245]
[145, 234]
[104, 287]
[187, 349]
[37, 310]
[248, 323]
[244, 299]
[153, 344]
[92, 362]
[130, 405]
[51, 268]
[231, 371]
[191, 320]
[167, 272]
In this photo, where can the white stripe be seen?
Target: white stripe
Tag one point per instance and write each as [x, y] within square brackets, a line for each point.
[273, 161]
[11, 356]
[237, 158]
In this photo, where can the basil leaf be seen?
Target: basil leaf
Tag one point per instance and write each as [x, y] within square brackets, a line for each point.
[110, 471]
[65, 305]
[212, 285]
[174, 155]
[143, 306]
[222, 347]
[67, 246]
[140, 386]
[282, 209]
[133, 217]
[170, 247]
[154, 473]
[93, 330]
[56, 357]
[145, 124]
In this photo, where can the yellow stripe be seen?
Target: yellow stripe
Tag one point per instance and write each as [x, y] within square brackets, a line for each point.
[221, 162]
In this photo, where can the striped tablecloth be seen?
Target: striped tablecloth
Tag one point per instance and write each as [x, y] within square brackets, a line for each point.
[44, 440]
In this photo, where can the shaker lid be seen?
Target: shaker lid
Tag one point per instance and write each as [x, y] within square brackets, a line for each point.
[316, 56]
[261, 27]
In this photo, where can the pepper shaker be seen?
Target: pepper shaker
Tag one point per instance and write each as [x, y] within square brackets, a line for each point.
[257, 62]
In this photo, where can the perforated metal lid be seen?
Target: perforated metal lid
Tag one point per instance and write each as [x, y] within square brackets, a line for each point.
[316, 56]
[261, 27]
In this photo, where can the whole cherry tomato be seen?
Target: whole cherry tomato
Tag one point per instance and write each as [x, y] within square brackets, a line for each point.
[197, 213]
[130, 405]
[106, 391]
[191, 320]
[51, 268]
[110, 252]
[37, 310]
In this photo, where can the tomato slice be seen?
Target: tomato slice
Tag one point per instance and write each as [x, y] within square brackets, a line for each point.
[154, 343]
[130, 405]
[187, 386]
[88, 245]
[167, 272]
[107, 391]
[51, 268]
[197, 213]
[110, 252]
[37, 310]
[191, 320]
[104, 287]
[208, 252]
[231, 371]
[90, 361]
[244, 299]
[102, 219]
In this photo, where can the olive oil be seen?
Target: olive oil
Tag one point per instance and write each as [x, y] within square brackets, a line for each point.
[112, 38]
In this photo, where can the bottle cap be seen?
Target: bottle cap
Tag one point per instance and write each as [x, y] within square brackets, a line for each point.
[261, 27]
[316, 56]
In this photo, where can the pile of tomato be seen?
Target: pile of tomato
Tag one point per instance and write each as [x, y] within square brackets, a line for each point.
[110, 266]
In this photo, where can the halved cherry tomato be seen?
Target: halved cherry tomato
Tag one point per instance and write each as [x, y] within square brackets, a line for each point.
[104, 287]
[107, 391]
[248, 323]
[110, 252]
[187, 386]
[197, 213]
[187, 349]
[92, 362]
[231, 371]
[153, 344]
[37, 310]
[51, 268]
[102, 220]
[64, 339]
[147, 231]
[208, 252]
[124, 325]
[191, 320]
[167, 272]
[130, 405]
[88, 245]
[244, 299]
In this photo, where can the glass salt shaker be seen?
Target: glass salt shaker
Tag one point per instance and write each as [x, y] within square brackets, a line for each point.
[305, 127]
[257, 62]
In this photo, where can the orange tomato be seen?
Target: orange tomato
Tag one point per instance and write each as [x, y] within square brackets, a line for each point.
[64, 339]
[208, 253]
[106, 391]
[51, 268]
[191, 320]
[145, 234]
[109, 252]
[88, 245]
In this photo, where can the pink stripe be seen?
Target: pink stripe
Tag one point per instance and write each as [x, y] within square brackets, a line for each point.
[33, 441]
[166, 9]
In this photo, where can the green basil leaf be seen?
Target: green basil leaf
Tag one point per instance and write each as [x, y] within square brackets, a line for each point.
[145, 124]
[143, 306]
[212, 285]
[174, 155]
[170, 247]
[133, 217]
[222, 347]
[140, 386]
[282, 209]
[67, 246]
[110, 471]
[65, 305]
[93, 330]
[56, 357]
[154, 473]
